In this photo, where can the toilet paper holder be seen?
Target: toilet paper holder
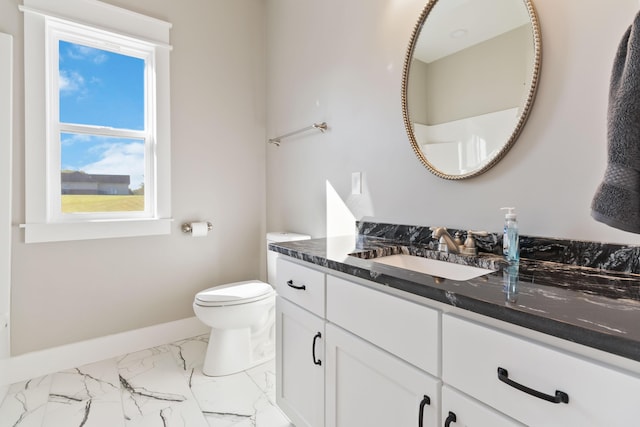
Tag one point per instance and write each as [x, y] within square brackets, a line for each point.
[187, 228]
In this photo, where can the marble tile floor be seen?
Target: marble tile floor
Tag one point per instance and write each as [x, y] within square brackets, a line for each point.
[162, 386]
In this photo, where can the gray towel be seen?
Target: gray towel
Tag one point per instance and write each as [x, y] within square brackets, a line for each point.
[617, 200]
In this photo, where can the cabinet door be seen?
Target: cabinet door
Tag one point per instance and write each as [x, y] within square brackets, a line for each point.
[299, 364]
[459, 410]
[367, 386]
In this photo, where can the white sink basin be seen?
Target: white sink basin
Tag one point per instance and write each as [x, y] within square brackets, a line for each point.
[433, 267]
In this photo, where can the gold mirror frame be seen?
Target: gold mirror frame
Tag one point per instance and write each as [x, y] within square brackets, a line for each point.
[535, 76]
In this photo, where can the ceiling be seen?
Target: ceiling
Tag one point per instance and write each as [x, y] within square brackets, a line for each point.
[453, 25]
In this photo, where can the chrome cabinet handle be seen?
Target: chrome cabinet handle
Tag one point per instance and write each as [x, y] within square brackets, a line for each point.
[559, 397]
[425, 401]
[313, 350]
[450, 419]
[300, 287]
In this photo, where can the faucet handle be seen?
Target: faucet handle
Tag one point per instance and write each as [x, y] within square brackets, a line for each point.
[470, 244]
[477, 233]
[457, 238]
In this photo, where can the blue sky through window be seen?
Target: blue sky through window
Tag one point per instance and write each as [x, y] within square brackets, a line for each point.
[101, 88]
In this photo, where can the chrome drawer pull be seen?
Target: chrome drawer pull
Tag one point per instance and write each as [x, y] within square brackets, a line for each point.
[450, 419]
[291, 285]
[300, 287]
[560, 396]
[313, 350]
[425, 401]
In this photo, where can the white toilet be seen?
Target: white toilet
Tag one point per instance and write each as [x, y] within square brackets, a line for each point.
[242, 319]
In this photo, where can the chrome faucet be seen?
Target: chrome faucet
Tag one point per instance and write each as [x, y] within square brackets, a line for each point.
[446, 243]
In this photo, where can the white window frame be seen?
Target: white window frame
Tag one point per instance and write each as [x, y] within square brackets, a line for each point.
[85, 21]
[60, 30]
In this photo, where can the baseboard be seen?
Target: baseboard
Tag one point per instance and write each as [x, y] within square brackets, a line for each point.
[43, 362]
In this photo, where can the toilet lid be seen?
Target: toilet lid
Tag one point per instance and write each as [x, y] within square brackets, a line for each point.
[234, 293]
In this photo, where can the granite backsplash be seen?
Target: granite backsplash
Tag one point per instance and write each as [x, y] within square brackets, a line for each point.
[604, 256]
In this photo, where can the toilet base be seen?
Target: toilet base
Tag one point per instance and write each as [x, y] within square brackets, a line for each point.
[234, 350]
[228, 352]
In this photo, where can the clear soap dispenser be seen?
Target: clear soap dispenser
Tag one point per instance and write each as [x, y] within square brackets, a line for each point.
[511, 240]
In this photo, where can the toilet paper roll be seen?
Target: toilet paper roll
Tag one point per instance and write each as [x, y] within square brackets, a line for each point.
[199, 229]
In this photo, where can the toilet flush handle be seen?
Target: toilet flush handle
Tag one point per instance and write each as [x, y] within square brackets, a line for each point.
[298, 287]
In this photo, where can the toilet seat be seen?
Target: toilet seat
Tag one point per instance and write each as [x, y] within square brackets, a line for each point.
[234, 294]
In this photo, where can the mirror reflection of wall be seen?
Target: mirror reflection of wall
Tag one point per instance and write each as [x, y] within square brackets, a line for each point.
[484, 78]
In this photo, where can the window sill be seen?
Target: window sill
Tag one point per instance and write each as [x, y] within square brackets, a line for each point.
[99, 229]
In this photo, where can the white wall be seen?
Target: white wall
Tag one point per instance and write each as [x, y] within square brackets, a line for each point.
[72, 291]
[341, 61]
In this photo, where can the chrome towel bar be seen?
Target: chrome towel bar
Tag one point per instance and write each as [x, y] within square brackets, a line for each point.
[320, 126]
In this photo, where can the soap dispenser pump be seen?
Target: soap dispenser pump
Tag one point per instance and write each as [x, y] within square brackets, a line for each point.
[510, 238]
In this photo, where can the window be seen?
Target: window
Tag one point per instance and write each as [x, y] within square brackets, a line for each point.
[101, 128]
[97, 122]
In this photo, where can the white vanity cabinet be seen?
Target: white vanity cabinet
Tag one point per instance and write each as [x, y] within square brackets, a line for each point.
[350, 353]
[352, 368]
[300, 338]
[371, 338]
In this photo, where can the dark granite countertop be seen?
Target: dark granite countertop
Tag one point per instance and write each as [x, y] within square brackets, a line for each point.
[590, 306]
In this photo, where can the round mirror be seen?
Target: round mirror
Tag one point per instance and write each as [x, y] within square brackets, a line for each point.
[470, 76]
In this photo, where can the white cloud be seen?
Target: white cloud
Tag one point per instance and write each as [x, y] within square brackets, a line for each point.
[80, 52]
[99, 59]
[69, 139]
[71, 82]
[120, 159]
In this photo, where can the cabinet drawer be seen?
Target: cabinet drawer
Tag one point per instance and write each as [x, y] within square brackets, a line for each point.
[301, 285]
[597, 395]
[403, 328]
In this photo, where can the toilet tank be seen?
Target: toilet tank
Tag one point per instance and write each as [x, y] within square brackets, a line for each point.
[275, 237]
